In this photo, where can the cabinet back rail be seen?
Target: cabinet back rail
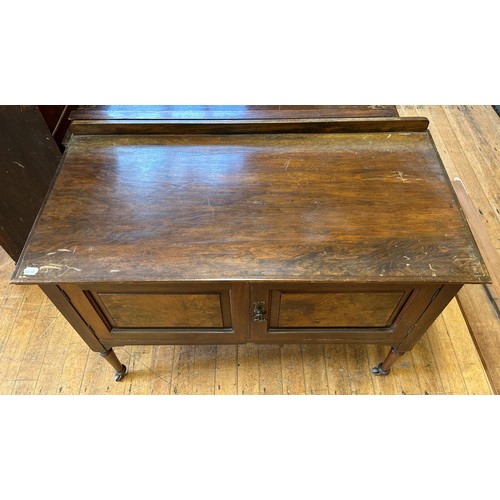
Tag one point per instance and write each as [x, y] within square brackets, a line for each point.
[257, 126]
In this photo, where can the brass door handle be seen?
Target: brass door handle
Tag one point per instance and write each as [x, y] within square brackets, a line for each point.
[259, 312]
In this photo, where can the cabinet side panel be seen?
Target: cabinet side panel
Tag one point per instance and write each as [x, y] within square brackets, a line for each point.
[66, 308]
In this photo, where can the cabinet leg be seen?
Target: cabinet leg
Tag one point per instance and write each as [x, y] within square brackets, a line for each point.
[385, 367]
[112, 359]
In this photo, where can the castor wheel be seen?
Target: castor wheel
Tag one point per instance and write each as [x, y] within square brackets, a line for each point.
[121, 374]
[379, 371]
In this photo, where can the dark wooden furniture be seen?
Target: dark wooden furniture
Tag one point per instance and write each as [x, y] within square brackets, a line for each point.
[57, 119]
[279, 227]
[30, 152]
[29, 157]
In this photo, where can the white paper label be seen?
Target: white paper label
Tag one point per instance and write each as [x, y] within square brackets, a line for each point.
[30, 271]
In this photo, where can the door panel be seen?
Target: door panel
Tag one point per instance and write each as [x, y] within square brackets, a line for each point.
[167, 313]
[337, 309]
[162, 310]
[323, 313]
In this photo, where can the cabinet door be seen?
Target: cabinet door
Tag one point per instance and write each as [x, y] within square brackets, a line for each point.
[170, 313]
[325, 313]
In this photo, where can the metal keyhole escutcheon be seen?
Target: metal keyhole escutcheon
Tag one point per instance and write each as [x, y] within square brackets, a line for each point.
[259, 312]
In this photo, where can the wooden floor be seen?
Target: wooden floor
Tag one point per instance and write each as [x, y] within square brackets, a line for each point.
[468, 141]
[41, 354]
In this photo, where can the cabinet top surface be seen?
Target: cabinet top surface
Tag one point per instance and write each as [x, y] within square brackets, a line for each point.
[339, 207]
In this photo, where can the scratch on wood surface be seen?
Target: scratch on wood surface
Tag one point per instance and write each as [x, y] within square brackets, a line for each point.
[17, 163]
[62, 250]
[43, 268]
[433, 270]
[74, 268]
[399, 175]
[68, 268]
[59, 268]
[286, 165]
[210, 206]
[114, 271]
[182, 186]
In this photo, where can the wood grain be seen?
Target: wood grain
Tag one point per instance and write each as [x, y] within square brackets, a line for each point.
[205, 357]
[173, 112]
[467, 140]
[24, 387]
[61, 335]
[292, 368]
[38, 341]
[489, 253]
[191, 210]
[448, 365]
[19, 337]
[358, 364]
[407, 382]
[458, 163]
[162, 361]
[337, 309]
[483, 319]
[163, 311]
[248, 369]
[337, 373]
[477, 151]
[457, 329]
[270, 371]
[226, 373]
[183, 370]
[264, 126]
[315, 376]
[427, 372]
[139, 361]
[75, 363]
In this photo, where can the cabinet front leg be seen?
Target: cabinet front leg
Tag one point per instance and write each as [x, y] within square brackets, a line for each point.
[384, 368]
[112, 359]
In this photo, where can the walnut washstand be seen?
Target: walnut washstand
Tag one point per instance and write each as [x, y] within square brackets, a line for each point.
[279, 231]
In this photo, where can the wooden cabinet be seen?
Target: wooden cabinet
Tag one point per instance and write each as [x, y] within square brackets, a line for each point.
[325, 313]
[30, 139]
[29, 158]
[177, 313]
[279, 226]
